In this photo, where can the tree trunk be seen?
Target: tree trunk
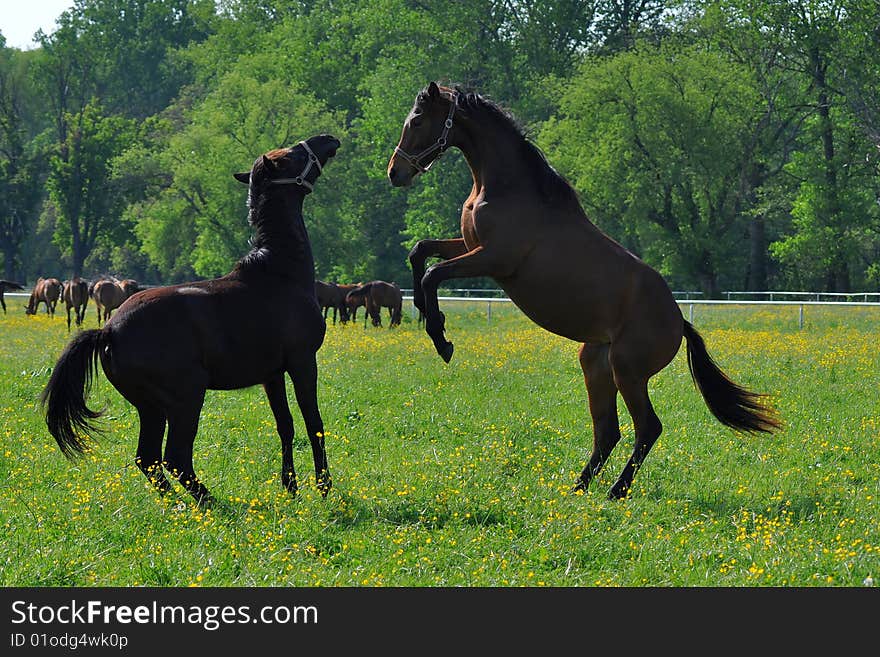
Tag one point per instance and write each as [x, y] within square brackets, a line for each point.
[757, 280]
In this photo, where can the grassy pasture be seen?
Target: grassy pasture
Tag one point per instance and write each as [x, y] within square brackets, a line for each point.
[460, 474]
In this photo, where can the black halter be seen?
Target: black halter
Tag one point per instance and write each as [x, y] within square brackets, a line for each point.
[440, 144]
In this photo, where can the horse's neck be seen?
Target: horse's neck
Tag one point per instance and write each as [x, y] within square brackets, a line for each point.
[281, 242]
[494, 156]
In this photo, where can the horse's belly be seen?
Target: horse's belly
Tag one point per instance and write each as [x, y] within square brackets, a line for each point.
[564, 314]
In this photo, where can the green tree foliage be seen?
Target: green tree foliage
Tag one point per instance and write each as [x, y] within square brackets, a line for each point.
[196, 225]
[86, 198]
[21, 159]
[731, 143]
[655, 140]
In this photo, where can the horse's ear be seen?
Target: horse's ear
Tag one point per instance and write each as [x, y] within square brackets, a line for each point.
[433, 91]
[268, 164]
[244, 177]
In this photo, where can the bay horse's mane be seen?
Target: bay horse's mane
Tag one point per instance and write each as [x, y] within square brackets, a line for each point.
[553, 187]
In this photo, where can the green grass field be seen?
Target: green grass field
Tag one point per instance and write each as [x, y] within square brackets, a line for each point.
[459, 474]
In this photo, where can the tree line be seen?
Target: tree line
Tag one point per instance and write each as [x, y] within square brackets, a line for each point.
[732, 144]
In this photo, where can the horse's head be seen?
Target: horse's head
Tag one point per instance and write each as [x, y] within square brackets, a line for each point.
[425, 134]
[298, 165]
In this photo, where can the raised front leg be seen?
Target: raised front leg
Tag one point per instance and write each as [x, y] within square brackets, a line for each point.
[304, 375]
[478, 262]
[425, 249]
[277, 396]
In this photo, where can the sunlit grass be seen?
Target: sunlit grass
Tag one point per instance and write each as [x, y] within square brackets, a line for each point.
[460, 474]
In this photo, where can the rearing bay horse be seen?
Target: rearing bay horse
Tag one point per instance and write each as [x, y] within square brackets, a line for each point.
[165, 346]
[523, 226]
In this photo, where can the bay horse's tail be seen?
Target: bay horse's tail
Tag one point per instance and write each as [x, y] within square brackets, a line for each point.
[64, 398]
[733, 405]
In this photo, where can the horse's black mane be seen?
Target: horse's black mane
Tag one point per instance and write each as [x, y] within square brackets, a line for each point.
[552, 185]
[272, 234]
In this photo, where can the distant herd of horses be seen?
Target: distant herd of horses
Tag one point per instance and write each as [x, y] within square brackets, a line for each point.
[345, 299]
[107, 292]
[522, 225]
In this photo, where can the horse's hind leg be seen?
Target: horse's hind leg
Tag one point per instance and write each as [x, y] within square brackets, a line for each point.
[149, 449]
[602, 393]
[633, 386]
[277, 395]
[304, 375]
[183, 424]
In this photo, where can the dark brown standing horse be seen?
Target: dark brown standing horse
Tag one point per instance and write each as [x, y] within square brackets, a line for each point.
[523, 226]
[331, 296]
[166, 346]
[46, 290]
[6, 286]
[75, 294]
[378, 295]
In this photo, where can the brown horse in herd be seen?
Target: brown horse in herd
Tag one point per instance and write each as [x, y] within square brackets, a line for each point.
[353, 303]
[523, 225]
[46, 290]
[8, 286]
[165, 346]
[332, 296]
[377, 295]
[75, 294]
[109, 294]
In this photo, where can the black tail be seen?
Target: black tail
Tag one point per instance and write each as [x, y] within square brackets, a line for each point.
[64, 399]
[733, 405]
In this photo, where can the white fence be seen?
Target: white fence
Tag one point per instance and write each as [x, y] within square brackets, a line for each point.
[691, 303]
[801, 299]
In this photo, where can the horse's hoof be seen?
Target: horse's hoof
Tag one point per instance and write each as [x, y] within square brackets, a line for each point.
[618, 492]
[446, 352]
[205, 501]
[325, 483]
[579, 487]
[289, 484]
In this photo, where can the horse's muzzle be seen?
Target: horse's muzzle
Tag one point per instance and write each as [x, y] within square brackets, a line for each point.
[399, 176]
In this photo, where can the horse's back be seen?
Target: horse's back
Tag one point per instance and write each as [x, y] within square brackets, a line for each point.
[222, 334]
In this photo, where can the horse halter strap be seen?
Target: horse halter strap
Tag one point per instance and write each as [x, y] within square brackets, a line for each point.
[440, 144]
[301, 178]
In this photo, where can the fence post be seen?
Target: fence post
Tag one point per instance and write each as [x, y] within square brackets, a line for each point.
[691, 313]
[801, 316]
[488, 311]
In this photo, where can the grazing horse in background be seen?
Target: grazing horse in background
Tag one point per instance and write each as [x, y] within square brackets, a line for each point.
[352, 304]
[75, 293]
[129, 286]
[523, 226]
[109, 294]
[46, 290]
[166, 346]
[378, 295]
[331, 295]
[7, 286]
